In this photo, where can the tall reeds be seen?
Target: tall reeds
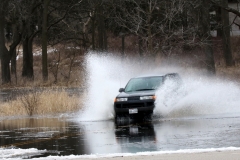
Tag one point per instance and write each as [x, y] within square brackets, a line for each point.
[46, 102]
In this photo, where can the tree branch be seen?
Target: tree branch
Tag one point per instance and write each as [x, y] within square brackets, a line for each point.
[236, 12]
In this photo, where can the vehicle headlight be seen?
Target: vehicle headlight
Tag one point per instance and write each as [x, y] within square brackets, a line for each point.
[120, 99]
[147, 97]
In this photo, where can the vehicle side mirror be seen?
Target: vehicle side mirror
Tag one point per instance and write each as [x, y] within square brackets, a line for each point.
[121, 90]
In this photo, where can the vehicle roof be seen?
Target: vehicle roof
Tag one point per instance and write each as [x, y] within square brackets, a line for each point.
[160, 75]
[149, 76]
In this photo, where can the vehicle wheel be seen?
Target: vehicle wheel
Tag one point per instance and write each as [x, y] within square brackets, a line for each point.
[117, 117]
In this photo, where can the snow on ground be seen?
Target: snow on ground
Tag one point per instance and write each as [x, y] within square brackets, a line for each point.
[18, 154]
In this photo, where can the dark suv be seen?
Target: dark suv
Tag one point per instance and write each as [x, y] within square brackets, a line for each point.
[138, 97]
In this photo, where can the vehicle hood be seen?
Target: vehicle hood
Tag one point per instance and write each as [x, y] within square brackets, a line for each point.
[137, 93]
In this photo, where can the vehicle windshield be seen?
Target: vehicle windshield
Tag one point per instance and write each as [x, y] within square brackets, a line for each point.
[144, 83]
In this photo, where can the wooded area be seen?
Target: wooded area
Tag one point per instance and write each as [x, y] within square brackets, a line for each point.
[160, 26]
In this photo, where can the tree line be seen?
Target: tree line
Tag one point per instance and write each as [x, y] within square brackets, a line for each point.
[159, 25]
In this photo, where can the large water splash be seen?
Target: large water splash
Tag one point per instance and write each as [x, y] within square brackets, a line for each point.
[196, 96]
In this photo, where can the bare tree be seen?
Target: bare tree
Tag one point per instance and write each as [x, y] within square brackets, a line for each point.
[54, 65]
[225, 29]
[205, 29]
[31, 28]
[67, 22]
[138, 17]
[226, 35]
[5, 57]
[163, 26]
[45, 39]
[6, 54]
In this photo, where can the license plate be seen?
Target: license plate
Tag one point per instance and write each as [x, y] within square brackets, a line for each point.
[133, 130]
[133, 111]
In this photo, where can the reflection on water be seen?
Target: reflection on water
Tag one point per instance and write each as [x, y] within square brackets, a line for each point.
[136, 136]
[61, 136]
[124, 137]
[100, 137]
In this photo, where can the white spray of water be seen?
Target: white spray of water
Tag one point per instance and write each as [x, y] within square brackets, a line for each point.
[105, 75]
[196, 96]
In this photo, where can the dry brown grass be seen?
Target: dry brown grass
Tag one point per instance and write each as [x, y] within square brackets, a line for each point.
[57, 102]
[47, 103]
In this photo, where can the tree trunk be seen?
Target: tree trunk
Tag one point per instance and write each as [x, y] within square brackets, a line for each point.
[6, 77]
[226, 35]
[184, 19]
[13, 62]
[100, 29]
[123, 45]
[205, 20]
[13, 65]
[140, 46]
[5, 57]
[149, 32]
[102, 37]
[44, 40]
[218, 19]
[13, 59]
[93, 32]
[27, 71]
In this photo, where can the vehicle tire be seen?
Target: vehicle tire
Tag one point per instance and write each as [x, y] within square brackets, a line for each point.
[117, 117]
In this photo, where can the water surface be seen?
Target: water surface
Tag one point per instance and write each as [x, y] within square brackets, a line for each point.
[64, 136]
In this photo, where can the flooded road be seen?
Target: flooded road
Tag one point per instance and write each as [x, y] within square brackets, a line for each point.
[64, 136]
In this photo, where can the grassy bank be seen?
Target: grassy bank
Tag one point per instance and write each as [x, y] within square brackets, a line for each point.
[41, 103]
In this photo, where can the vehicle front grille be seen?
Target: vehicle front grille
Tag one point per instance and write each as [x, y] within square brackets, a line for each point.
[135, 105]
[133, 98]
